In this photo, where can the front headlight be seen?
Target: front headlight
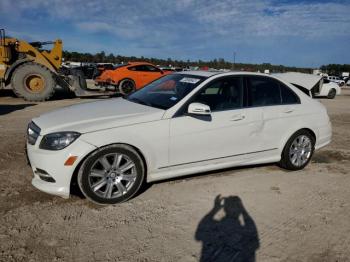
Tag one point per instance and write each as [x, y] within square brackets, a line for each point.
[58, 141]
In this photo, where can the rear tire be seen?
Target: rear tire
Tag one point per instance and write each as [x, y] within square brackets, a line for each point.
[33, 82]
[331, 93]
[298, 150]
[126, 86]
[111, 175]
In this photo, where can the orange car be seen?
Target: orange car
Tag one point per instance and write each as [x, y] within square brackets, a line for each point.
[129, 77]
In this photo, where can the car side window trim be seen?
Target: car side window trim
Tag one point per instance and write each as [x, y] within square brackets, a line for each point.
[281, 85]
[182, 111]
[245, 95]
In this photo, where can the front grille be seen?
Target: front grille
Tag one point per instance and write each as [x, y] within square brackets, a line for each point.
[33, 133]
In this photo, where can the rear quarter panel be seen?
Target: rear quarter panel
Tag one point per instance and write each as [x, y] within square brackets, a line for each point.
[313, 116]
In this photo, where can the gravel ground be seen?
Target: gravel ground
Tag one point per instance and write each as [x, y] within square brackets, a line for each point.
[267, 213]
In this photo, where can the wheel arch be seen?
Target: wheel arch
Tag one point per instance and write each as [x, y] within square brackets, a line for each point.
[74, 183]
[290, 134]
[126, 78]
[333, 88]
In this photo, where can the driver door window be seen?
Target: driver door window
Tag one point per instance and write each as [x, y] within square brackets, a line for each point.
[222, 94]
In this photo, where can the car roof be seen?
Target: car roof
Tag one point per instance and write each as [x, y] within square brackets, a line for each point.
[214, 73]
[198, 73]
[139, 63]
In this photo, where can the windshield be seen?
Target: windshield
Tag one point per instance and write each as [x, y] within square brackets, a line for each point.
[166, 91]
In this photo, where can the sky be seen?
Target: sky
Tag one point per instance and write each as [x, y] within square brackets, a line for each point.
[288, 32]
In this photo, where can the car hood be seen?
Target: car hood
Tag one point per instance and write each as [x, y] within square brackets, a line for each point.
[98, 115]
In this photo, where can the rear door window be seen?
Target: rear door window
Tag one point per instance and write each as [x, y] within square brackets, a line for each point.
[263, 91]
[288, 96]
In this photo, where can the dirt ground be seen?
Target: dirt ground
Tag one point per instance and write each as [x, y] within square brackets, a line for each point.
[268, 213]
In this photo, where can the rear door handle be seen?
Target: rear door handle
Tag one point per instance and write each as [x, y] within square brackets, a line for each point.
[288, 110]
[237, 117]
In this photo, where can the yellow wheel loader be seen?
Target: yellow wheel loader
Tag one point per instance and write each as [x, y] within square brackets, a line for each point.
[33, 73]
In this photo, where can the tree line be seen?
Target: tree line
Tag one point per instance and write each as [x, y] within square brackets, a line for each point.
[335, 69]
[219, 63]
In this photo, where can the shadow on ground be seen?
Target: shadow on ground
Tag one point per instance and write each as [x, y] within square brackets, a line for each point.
[6, 109]
[7, 93]
[231, 237]
[59, 94]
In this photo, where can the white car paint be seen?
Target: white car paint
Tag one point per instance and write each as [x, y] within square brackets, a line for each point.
[174, 146]
[326, 87]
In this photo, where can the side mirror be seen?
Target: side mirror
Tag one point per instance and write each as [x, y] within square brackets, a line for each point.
[198, 109]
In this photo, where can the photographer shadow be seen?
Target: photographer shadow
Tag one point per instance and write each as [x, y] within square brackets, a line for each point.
[234, 237]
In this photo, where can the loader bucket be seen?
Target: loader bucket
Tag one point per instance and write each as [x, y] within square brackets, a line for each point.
[79, 85]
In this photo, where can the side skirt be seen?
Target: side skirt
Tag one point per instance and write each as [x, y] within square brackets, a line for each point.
[263, 157]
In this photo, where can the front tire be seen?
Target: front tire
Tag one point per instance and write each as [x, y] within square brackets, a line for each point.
[111, 175]
[33, 82]
[298, 150]
[331, 93]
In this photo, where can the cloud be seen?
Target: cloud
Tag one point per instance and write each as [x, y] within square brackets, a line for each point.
[239, 17]
[265, 18]
[176, 26]
[95, 26]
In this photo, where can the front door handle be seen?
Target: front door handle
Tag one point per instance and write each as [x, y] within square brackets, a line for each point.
[237, 117]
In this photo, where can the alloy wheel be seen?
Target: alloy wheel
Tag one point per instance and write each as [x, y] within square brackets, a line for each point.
[126, 87]
[300, 150]
[112, 175]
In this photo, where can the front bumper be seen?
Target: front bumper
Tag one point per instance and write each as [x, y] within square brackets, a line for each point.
[52, 162]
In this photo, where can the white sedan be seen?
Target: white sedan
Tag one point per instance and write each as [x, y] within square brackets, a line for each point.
[181, 124]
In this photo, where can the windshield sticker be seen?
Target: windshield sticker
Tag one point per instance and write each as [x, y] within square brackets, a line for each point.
[190, 80]
[173, 98]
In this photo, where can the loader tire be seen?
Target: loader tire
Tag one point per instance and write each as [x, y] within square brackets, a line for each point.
[33, 82]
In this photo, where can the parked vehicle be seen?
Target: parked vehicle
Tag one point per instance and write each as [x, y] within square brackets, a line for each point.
[345, 75]
[183, 123]
[33, 73]
[91, 70]
[312, 85]
[129, 77]
[171, 68]
[336, 79]
[88, 70]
